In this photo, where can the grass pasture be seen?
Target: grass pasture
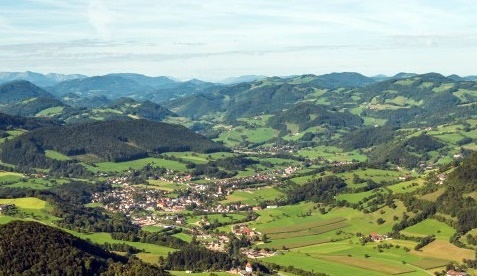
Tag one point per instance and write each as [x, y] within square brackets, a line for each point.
[163, 185]
[433, 196]
[35, 183]
[56, 155]
[332, 154]
[10, 176]
[305, 226]
[29, 208]
[229, 218]
[444, 250]
[253, 197]
[25, 203]
[309, 232]
[232, 137]
[307, 262]
[102, 238]
[427, 227]
[407, 186]
[355, 197]
[376, 175]
[429, 263]
[138, 164]
[183, 236]
[391, 261]
[295, 242]
[387, 267]
[50, 111]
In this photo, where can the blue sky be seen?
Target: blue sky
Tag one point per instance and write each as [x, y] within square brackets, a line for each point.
[215, 39]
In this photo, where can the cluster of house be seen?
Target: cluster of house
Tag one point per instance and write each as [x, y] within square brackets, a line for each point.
[342, 163]
[248, 271]
[217, 244]
[277, 149]
[254, 254]
[244, 230]
[139, 203]
[269, 176]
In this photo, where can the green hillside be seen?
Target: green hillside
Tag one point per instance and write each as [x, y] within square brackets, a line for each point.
[20, 90]
[36, 249]
[108, 141]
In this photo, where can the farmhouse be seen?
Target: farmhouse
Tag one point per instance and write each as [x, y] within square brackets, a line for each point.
[377, 237]
[244, 230]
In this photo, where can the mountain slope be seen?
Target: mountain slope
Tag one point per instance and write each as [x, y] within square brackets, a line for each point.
[247, 78]
[9, 122]
[106, 140]
[36, 78]
[143, 110]
[31, 248]
[110, 86]
[33, 107]
[135, 86]
[20, 90]
[306, 115]
[345, 79]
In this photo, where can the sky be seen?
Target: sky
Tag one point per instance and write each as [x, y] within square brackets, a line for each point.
[215, 39]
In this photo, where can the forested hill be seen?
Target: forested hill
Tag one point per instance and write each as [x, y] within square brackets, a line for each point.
[146, 110]
[31, 248]
[106, 140]
[9, 122]
[20, 90]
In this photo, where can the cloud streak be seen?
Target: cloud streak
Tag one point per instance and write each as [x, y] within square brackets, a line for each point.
[156, 36]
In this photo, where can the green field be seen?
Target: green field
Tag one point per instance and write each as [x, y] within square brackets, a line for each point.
[350, 256]
[102, 238]
[25, 203]
[10, 177]
[296, 242]
[332, 154]
[138, 164]
[356, 197]
[407, 186]
[183, 236]
[228, 218]
[163, 185]
[430, 227]
[234, 136]
[376, 175]
[307, 262]
[56, 155]
[33, 183]
[50, 111]
[29, 208]
[429, 263]
[253, 197]
[304, 226]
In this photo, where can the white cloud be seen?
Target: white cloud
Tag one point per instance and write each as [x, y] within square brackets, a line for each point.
[101, 17]
[229, 37]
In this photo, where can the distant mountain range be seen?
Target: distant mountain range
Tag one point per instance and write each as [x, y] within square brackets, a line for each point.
[247, 78]
[23, 98]
[310, 108]
[160, 89]
[37, 78]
